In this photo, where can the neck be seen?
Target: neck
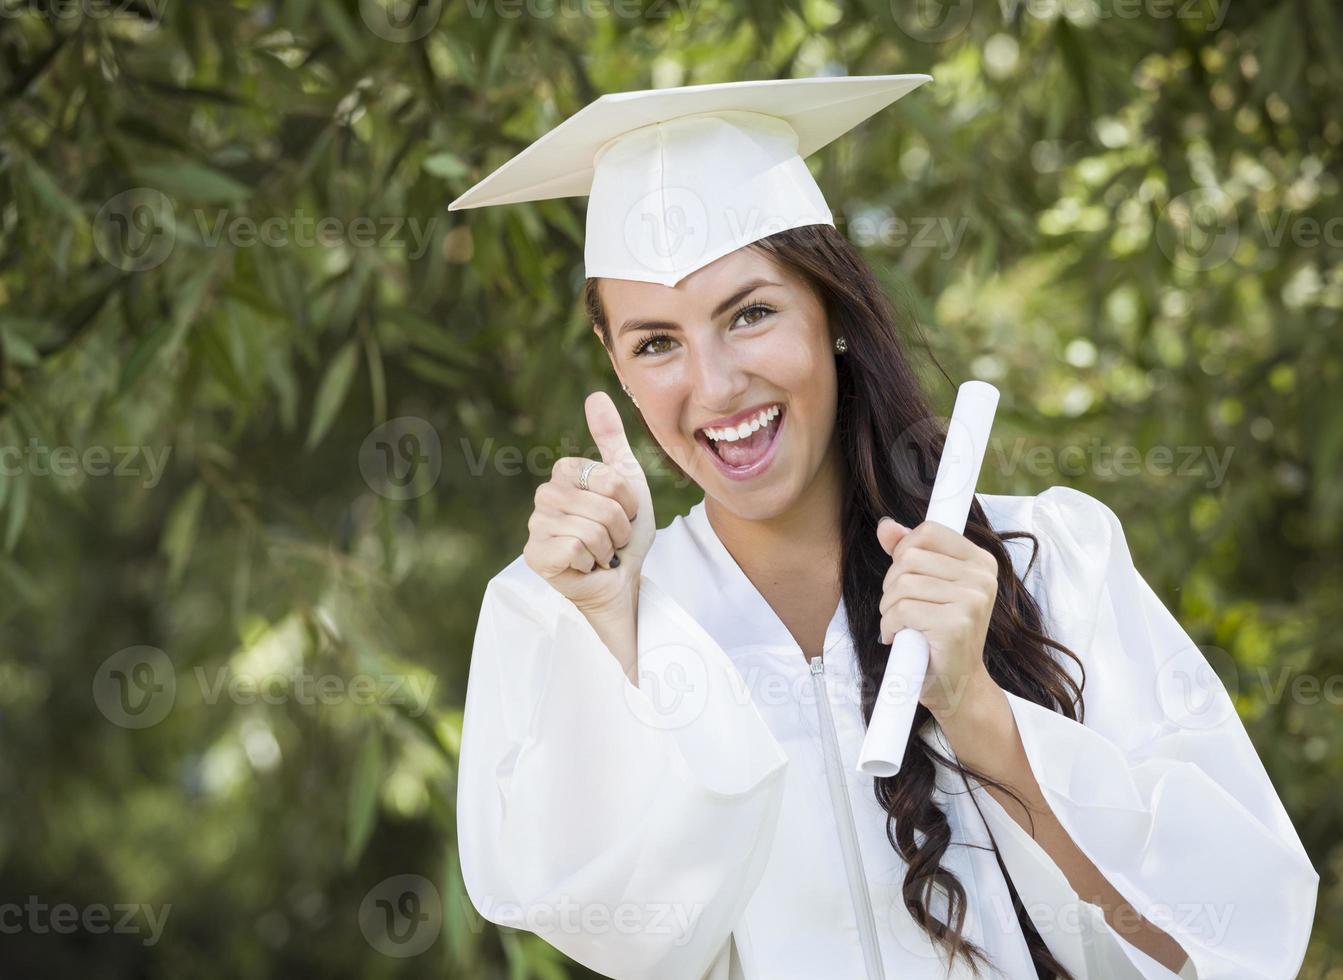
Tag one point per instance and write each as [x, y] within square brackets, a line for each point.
[802, 540]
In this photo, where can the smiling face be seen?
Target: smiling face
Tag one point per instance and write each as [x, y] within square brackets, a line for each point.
[733, 370]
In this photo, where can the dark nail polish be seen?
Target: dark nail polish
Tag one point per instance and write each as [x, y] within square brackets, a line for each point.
[615, 561]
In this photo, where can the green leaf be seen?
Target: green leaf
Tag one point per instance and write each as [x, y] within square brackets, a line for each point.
[28, 423]
[180, 530]
[431, 370]
[500, 44]
[17, 349]
[211, 347]
[280, 374]
[362, 804]
[446, 165]
[192, 181]
[343, 299]
[50, 193]
[143, 355]
[18, 584]
[1278, 49]
[462, 923]
[433, 337]
[169, 333]
[8, 437]
[376, 378]
[342, 29]
[1075, 59]
[295, 14]
[18, 509]
[332, 391]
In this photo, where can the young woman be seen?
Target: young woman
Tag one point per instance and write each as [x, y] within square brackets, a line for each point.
[658, 767]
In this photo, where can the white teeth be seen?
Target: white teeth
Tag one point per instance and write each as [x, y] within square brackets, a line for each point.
[745, 428]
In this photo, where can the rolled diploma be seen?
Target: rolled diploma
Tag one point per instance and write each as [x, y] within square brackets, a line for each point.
[953, 492]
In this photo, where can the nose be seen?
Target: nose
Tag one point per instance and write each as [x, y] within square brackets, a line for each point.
[718, 375]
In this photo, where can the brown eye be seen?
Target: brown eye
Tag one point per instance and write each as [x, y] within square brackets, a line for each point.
[748, 313]
[646, 345]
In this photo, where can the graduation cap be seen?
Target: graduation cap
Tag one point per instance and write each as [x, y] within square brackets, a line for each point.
[679, 177]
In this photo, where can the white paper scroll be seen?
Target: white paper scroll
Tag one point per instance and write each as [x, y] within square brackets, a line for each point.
[953, 492]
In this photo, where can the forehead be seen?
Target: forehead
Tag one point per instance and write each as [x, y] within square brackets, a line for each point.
[695, 295]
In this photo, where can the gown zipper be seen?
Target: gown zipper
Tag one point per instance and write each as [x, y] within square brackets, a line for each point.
[848, 834]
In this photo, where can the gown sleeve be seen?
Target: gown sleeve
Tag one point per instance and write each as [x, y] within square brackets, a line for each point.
[1159, 785]
[627, 826]
[1074, 929]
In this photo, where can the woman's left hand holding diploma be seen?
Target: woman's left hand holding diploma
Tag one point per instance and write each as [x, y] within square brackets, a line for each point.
[943, 585]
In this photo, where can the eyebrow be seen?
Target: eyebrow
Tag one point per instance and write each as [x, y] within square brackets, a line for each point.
[718, 310]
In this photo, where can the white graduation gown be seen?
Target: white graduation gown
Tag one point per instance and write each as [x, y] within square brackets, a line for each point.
[711, 823]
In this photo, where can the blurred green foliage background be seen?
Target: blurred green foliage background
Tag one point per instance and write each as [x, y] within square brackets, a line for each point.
[226, 269]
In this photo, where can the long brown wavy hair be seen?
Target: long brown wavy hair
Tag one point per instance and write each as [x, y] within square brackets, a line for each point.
[890, 442]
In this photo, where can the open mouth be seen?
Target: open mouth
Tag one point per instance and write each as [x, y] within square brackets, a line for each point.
[745, 449]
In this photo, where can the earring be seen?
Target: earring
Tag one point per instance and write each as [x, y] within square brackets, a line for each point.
[841, 345]
[626, 389]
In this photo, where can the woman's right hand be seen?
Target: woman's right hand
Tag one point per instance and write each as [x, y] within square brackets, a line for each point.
[573, 534]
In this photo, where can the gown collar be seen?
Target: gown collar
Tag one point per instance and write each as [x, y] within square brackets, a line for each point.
[765, 626]
[765, 629]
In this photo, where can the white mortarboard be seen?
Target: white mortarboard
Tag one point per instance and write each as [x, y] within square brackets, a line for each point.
[679, 177]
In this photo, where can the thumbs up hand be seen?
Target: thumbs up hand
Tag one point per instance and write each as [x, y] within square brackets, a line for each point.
[590, 544]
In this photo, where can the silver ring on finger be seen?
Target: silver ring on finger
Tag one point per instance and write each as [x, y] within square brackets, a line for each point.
[587, 470]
